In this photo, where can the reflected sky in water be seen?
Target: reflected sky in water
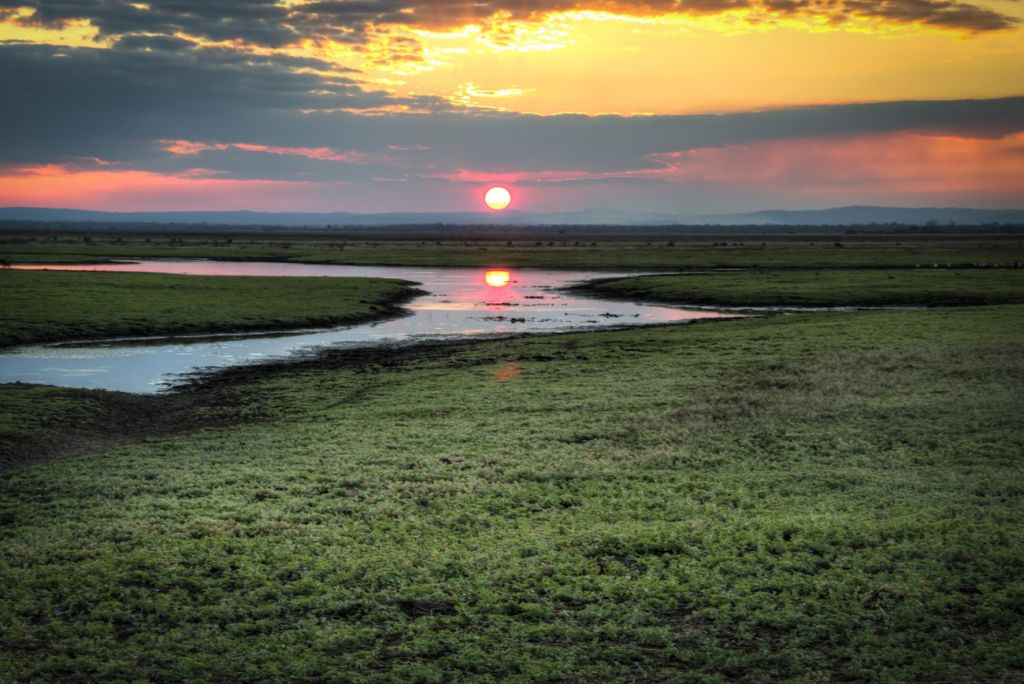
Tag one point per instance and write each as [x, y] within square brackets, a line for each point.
[460, 301]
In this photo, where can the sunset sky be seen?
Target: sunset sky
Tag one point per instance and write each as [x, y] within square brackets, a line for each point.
[673, 106]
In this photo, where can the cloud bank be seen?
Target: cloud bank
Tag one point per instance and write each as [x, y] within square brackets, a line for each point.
[270, 23]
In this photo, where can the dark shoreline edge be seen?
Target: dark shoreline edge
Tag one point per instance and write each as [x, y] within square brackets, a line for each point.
[199, 401]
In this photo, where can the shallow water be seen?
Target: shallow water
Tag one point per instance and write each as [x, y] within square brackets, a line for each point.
[459, 302]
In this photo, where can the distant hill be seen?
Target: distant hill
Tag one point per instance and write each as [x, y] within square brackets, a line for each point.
[866, 215]
[306, 219]
[840, 216]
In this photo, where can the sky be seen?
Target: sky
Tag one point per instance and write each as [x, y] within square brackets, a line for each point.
[674, 106]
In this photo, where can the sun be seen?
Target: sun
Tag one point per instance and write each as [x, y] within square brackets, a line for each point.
[498, 198]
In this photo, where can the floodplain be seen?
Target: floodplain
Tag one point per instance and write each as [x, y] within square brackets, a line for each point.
[818, 496]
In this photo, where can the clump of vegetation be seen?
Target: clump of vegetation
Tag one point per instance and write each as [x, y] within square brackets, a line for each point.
[57, 305]
[825, 287]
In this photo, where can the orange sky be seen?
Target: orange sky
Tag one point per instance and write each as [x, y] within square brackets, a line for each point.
[634, 59]
[604, 63]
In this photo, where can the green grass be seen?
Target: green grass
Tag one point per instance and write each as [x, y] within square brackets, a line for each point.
[52, 305]
[917, 287]
[730, 251]
[810, 497]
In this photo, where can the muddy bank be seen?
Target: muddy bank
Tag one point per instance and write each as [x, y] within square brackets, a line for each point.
[75, 422]
[47, 423]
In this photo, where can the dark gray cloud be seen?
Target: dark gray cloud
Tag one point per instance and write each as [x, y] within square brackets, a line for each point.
[439, 14]
[93, 102]
[72, 105]
[256, 21]
[268, 23]
[940, 13]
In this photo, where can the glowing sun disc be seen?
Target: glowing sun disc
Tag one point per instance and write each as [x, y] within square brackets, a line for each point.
[498, 198]
[497, 278]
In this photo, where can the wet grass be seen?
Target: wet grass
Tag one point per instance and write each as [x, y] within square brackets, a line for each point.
[565, 251]
[834, 287]
[52, 305]
[814, 497]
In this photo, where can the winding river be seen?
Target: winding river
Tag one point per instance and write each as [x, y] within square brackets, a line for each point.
[458, 302]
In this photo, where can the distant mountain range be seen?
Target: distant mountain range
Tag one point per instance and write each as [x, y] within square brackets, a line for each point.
[866, 215]
[840, 216]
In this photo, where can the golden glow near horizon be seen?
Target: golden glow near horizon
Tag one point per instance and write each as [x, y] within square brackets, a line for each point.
[72, 34]
[668, 64]
[681, 65]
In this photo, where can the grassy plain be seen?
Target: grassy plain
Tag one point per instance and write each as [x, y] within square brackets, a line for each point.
[819, 497]
[826, 287]
[827, 497]
[58, 305]
[574, 251]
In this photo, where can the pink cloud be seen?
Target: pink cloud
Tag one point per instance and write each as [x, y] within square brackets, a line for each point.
[190, 147]
[899, 168]
[57, 186]
[891, 164]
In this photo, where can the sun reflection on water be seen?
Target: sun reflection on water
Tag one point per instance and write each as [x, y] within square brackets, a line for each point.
[497, 278]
